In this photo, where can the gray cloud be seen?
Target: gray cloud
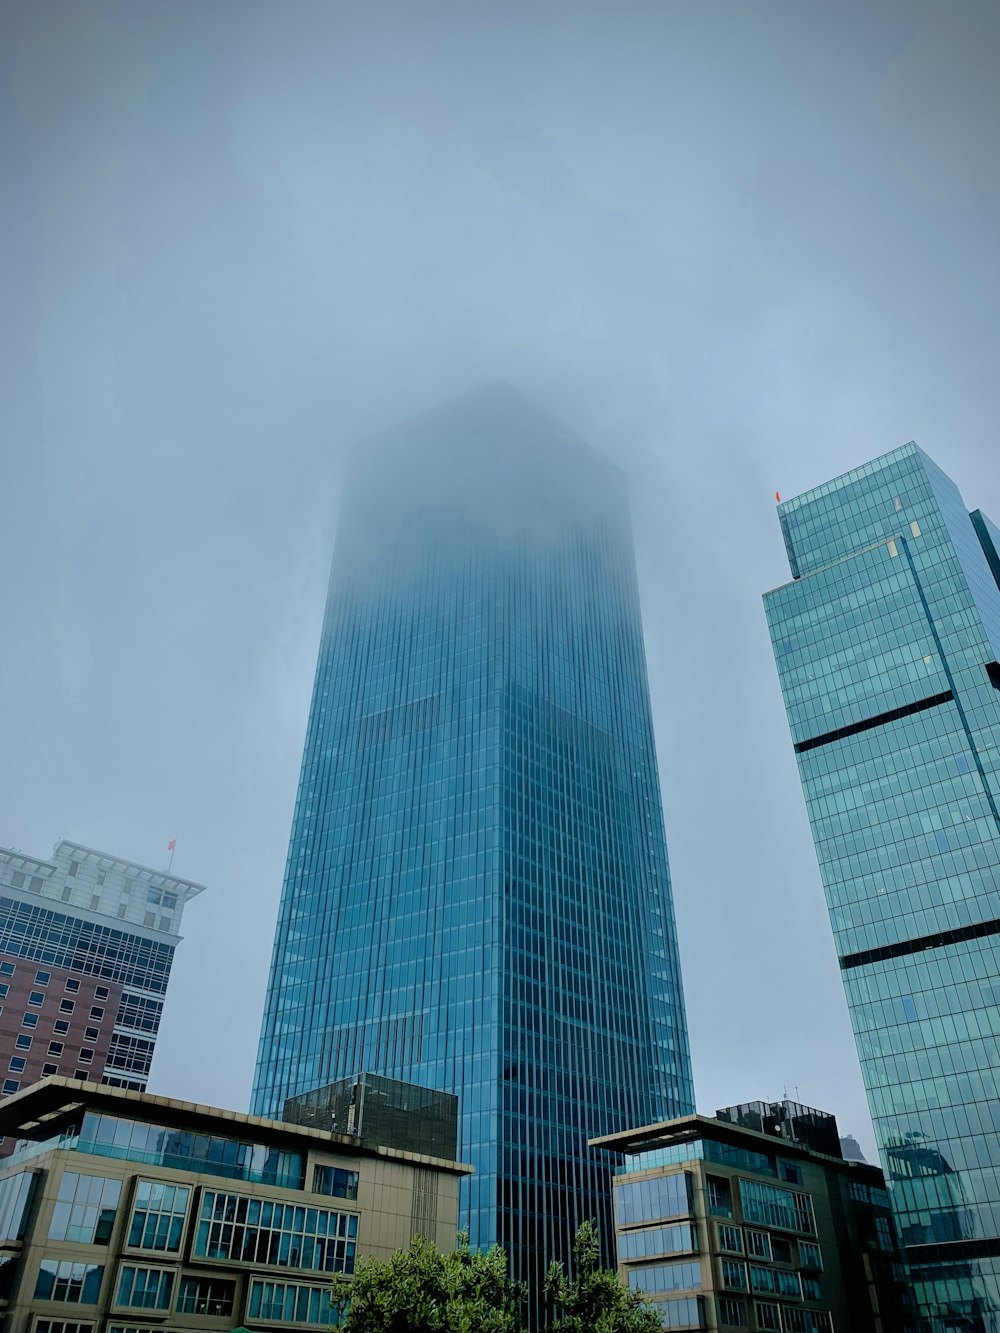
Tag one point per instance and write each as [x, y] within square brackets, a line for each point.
[738, 248]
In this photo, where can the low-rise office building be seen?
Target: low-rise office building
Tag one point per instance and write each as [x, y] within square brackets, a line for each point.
[122, 1212]
[753, 1220]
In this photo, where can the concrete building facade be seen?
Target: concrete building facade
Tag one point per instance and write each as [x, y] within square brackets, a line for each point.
[121, 1212]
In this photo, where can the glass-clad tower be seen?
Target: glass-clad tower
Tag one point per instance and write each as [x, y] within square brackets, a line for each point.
[477, 895]
[887, 642]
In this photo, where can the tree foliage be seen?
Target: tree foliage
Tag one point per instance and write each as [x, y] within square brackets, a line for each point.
[595, 1300]
[421, 1290]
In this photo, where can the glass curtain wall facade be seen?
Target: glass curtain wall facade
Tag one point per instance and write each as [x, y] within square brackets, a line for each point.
[477, 895]
[887, 643]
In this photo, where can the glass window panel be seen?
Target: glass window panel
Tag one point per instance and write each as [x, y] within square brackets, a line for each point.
[284, 1237]
[666, 1277]
[70, 1281]
[85, 1210]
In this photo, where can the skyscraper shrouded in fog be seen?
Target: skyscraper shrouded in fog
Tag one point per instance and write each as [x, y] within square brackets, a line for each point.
[477, 895]
[887, 642]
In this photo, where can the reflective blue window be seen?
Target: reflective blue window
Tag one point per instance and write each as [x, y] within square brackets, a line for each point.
[68, 1280]
[335, 1181]
[650, 1200]
[290, 1303]
[158, 1215]
[666, 1277]
[262, 1232]
[651, 1243]
[85, 1209]
[145, 1288]
[214, 1155]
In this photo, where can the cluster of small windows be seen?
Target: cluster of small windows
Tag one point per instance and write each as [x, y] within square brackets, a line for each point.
[776, 1281]
[18, 1064]
[290, 1303]
[158, 1216]
[162, 897]
[720, 1196]
[117, 1081]
[809, 1255]
[734, 1275]
[61, 1326]
[730, 1238]
[335, 1182]
[144, 1288]
[85, 1209]
[40, 934]
[140, 1012]
[771, 1317]
[212, 1297]
[732, 1312]
[774, 1206]
[67, 1280]
[768, 1316]
[128, 1054]
[797, 1320]
[758, 1244]
[234, 1226]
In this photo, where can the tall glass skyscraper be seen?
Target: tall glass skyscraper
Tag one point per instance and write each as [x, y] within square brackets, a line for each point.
[887, 642]
[477, 895]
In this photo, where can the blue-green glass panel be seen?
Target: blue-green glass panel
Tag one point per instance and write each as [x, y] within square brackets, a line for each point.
[886, 643]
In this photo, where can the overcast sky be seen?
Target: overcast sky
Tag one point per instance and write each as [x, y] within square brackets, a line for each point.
[739, 247]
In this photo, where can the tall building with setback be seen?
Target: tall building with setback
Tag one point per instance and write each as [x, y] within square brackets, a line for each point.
[887, 642]
[477, 895]
[87, 940]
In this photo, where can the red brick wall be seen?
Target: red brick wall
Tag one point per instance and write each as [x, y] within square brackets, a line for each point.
[15, 1004]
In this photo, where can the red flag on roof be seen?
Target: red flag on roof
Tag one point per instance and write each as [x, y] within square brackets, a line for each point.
[171, 844]
[777, 496]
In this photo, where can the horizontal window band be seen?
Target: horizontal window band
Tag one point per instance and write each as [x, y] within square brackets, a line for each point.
[893, 715]
[953, 1251]
[939, 940]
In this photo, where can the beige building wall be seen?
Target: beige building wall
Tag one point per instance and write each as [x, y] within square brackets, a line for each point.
[399, 1195]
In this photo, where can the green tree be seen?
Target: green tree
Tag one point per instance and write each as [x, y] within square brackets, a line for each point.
[421, 1290]
[595, 1300]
